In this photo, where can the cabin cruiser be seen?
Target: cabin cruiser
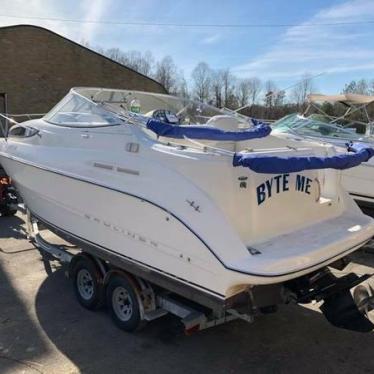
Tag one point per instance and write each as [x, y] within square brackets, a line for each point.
[182, 189]
[355, 125]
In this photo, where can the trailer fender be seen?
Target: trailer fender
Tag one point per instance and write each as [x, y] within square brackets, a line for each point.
[132, 280]
[98, 263]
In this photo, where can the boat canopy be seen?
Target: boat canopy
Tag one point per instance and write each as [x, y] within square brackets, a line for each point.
[346, 99]
[206, 132]
[279, 165]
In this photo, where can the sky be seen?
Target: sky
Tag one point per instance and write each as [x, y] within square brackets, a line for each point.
[334, 54]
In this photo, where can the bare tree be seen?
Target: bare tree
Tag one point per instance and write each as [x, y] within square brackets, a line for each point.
[248, 91]
[115, 54]
[302, 89]
[270, 92]
[363, 87]
[166, 72]
[143, 63]
[100, 50]
[243, 92]
[85, 43]
[201, 77]
[183, 89]
[279, 98]
[255, 89]
[358, 87]
[222, 88]
[147, 63]
[371, 87]
[217, 87]
[181, 86]
[228, 80]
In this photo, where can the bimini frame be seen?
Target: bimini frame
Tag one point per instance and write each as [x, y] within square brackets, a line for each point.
[353, 102]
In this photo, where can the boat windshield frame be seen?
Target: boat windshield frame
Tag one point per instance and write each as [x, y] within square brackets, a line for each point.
[298, 122]
[95, 110]
[113, 106]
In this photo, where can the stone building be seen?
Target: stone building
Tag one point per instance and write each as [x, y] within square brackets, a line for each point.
[38, 67]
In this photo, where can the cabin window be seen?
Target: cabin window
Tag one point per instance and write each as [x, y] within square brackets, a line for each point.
[20, 131]
[75, 111]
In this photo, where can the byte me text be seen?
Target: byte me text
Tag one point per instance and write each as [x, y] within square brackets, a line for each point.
[280, 183]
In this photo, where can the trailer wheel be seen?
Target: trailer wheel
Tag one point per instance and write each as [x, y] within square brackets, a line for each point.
[88, 285]
[123, 302]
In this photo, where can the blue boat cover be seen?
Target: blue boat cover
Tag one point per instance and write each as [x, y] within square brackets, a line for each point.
[278, 165]
[206, 132]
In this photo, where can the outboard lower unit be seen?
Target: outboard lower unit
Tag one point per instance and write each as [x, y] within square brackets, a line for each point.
[346, 302]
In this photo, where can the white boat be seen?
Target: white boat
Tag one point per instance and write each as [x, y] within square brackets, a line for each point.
[137, 185]
[359, 181]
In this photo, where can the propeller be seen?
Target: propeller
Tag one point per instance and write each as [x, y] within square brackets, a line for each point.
[363, 298]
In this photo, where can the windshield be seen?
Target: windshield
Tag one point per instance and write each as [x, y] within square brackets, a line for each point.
[166, 108]
[300, 125]
[84, 107]
[74, 110]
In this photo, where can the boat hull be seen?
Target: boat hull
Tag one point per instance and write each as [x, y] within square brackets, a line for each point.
[123, 223]
[359, 181]
[144, 232]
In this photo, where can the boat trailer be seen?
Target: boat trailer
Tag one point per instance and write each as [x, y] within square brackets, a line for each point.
[135, 296]
[153, 301]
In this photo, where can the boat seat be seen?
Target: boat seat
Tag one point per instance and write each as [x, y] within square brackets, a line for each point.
[226, 123]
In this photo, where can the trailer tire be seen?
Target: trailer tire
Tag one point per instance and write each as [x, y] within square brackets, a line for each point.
[88, 283]
[124, 306]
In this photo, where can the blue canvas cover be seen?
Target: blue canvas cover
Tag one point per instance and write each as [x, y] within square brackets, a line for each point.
[278, 165]
[259, 130]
